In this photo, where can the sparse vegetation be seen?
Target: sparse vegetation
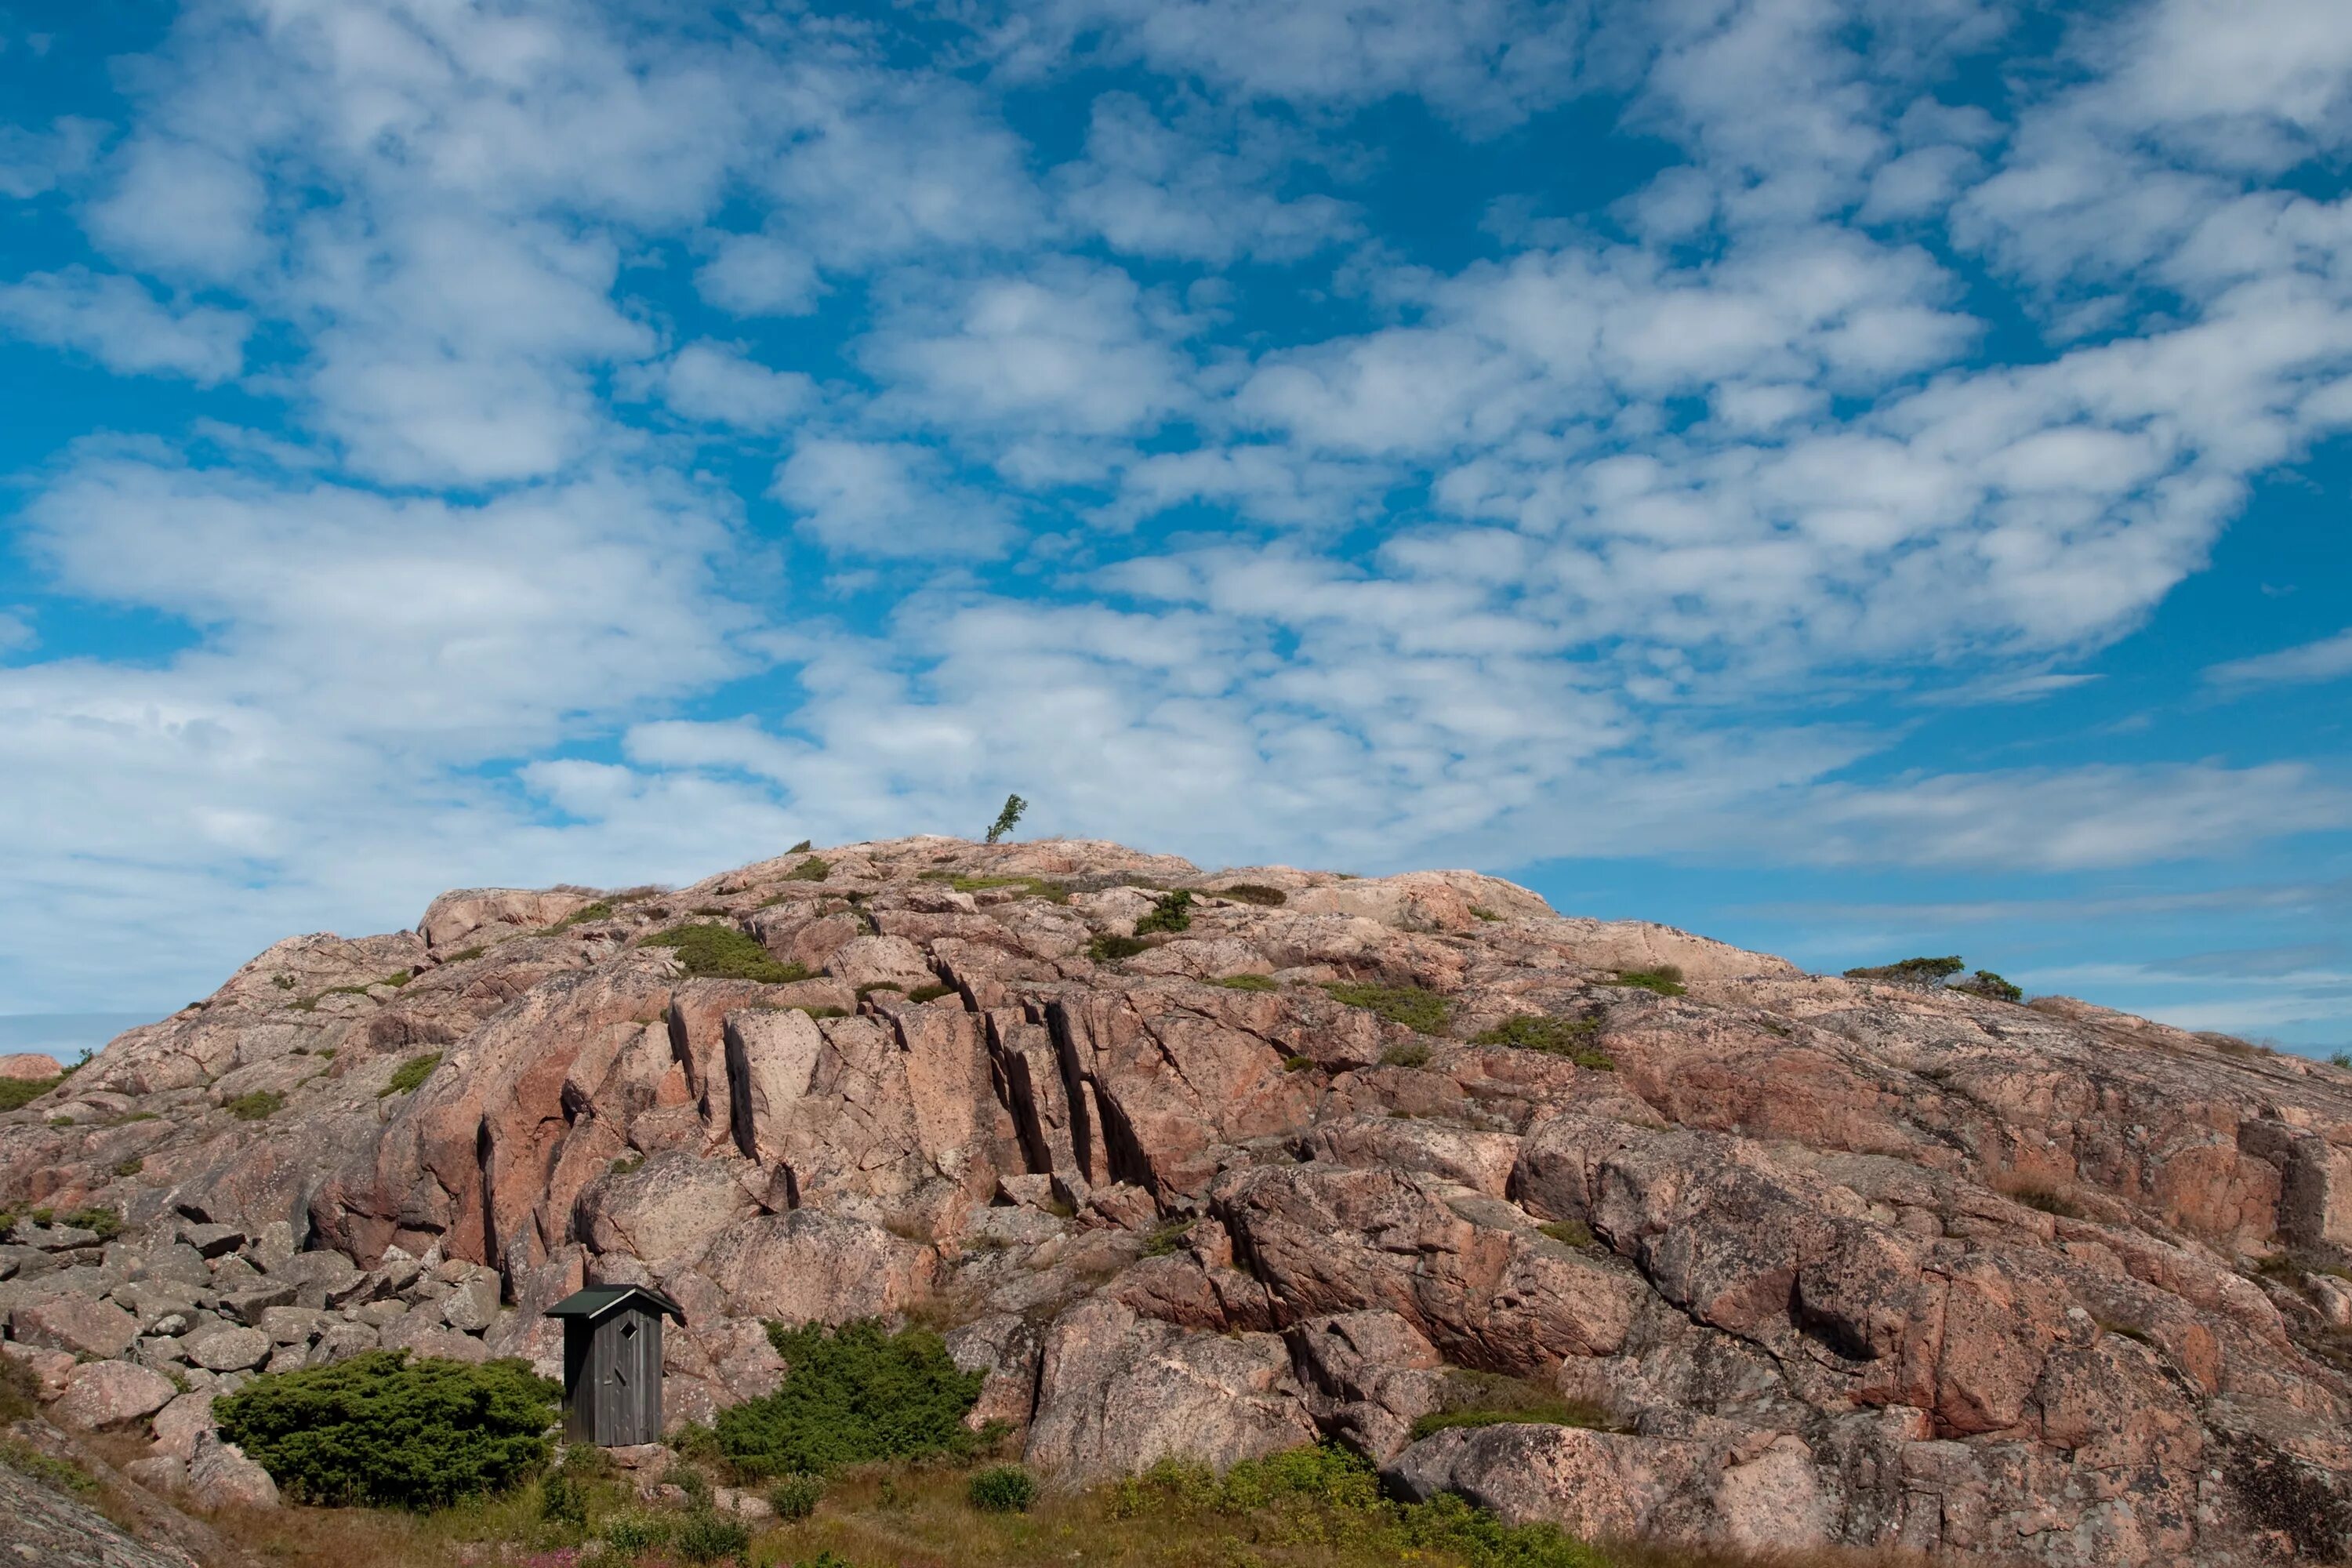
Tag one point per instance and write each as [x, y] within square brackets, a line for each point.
[809, 870]
[931, 992]
[2047, 1199]
[1007, 818]
[1569, 1038]
[1246, 983]
[1002, 1489]
[1485, 914]
[796, 1497]
[18, 1092]
[383, 1429]
[706, 1535]
[1254, 893]
[1411, 1054]
[1165, 1239]
[1170, 912]
[802, 848]
[854, 1394]
[105, 1221]
[601, 909]
[2340, 1058]
[1418, 1009]
[466, 955]
[1665, 980]
[1031, 886]
[1110, 948]
[1572, 1232]
[1921, 972]
[1491, 1399]
[410, 1074]
[626, 1164]
[1297, 1064]
[722, 952]
[258, 1106]
[129, 1168]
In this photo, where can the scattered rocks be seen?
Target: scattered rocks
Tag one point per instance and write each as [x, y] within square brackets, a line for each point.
[230, 1350]
[81, 1324]
[102, 1393]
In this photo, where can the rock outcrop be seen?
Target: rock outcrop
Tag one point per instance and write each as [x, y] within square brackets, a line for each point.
[1807, 1261]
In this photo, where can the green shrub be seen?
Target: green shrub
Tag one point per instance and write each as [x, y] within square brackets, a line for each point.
[1031, 886]
[1253, 893]
[410, 1074]
[706, 1535]
[796, 1497]
[128, 1168]
[259, 1106]
[1911, 971]
[601, 910]
[1007, 818]
[633, 1533]
[930, 992]
[802, 848]
[851, 1396]
[1170, 912]
[466, 955]
[723, 953]
[1297, 1064]
[1570, 1233]
[384, 1430]
[2048, 1200]
[564, 1499]
[1165, 1239]
[18, 1092]
[626, 1164]
[1248, 982]
[1569, 1038]
[105, 1221]
[2340, 1058]
[1412, 1054]
[1485, 914]
[1422, 1011]
[1002, 1489]
[809, 870]
[1111, 949]
[1984, 983]
[1666, 980]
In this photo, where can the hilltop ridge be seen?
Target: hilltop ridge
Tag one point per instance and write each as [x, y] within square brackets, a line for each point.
[1216, 1164]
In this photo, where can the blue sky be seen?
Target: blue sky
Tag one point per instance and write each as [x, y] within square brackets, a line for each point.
[1851, 478]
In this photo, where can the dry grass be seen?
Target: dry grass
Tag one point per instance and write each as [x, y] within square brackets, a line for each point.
[919, 1516]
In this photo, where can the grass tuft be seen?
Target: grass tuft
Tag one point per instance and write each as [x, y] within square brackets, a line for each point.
[410, 1074]
[1111, 949]
[259, 1106]
[722, 952]
[809, 870]
[1170, 912]
[1417, 1008]
[1666, 980]
[1256, 893]
[17, 1092]
[1491, 1399]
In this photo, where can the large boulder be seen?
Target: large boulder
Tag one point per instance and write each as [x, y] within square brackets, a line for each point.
[103, 1394]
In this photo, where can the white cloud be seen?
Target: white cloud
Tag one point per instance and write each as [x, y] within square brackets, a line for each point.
[759, 275]
[32, 162]
[885, 499]
[2311, 663]
[714, 383]
[118, 324]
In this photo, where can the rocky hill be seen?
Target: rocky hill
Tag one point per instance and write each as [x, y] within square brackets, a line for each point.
[1803, 1260]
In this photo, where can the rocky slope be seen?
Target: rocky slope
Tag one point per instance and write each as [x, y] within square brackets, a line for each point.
[1825, 1261]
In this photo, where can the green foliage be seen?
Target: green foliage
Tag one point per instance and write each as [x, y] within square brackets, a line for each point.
[1170, 912]
[1246, 983]
[796, 1497]
[1570, 1233]
[1111, 949]
[1031, 886]
[1422, 1011]
[706, 1535]
[18, 1092]
[1007, 818]
[1485, 914]
[410, 1074]
[1984, 983]
[930, 992]
[723, 953]
[1254, 893]
[564, 1499]
[105, 1221]
[1410, 1055]
[601, 910]
[1911, 971]
[259, 1106]
[809, 870]
[626, 1164]
[1490, 1399]
[384, 1430]
[1569, 1038]
[27, 1460]
[1002, 1489]
[802, 848]
[2340, 1058]
[129, 1168]
[1297, 1064]
[634, 1533]
[1666, 980]
[1165, 1239]
[823, 1012]
[852, 1395]
[466, 955]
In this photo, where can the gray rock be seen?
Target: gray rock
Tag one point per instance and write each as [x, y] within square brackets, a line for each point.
[56, 1237]
[103, 1394]
[341, 1342]
[288, 1358]
[273, 1246]
[220, 1476]
[81, 1324]
[178, 1424]
[292, 1325]
[177, 1261]
[473, 1306]
[233, 1273]
[159, 1472]
[247, 1305]
[212, 1241]
[378, 1314]
[230, 1350]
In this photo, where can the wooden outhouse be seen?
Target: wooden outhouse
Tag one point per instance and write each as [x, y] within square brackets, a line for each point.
[613, 1364]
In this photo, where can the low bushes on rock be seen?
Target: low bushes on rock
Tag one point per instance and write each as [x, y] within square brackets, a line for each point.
[1002, 1489]
[1910, 971]
[1569, 1038]
[1246, 983]
[1256, 893]
[1111, 949]
[1665, 980]
[17, 1092]
[1422, 1011]
[706, 1535]
[1984, 983]
[1490, 1399]
[259, 1106]
[1170, 912]
[722, 952]
[105, 1223]
[796, 1497]
[384, 1430]
[410, 1074]
[852, 1395]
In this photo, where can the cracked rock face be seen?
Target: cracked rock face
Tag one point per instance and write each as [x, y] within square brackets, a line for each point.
[1819, 1262]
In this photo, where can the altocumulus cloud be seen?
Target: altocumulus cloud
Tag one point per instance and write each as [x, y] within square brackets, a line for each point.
[554, 440]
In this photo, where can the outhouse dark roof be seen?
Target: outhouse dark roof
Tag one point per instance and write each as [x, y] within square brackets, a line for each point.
[598, 1300]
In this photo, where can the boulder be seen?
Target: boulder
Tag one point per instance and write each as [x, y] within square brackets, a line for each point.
[103, 1394]
[230, 1350]
[178, 1424]
[30, 1066]
[81, 1324]
[220, 1476]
